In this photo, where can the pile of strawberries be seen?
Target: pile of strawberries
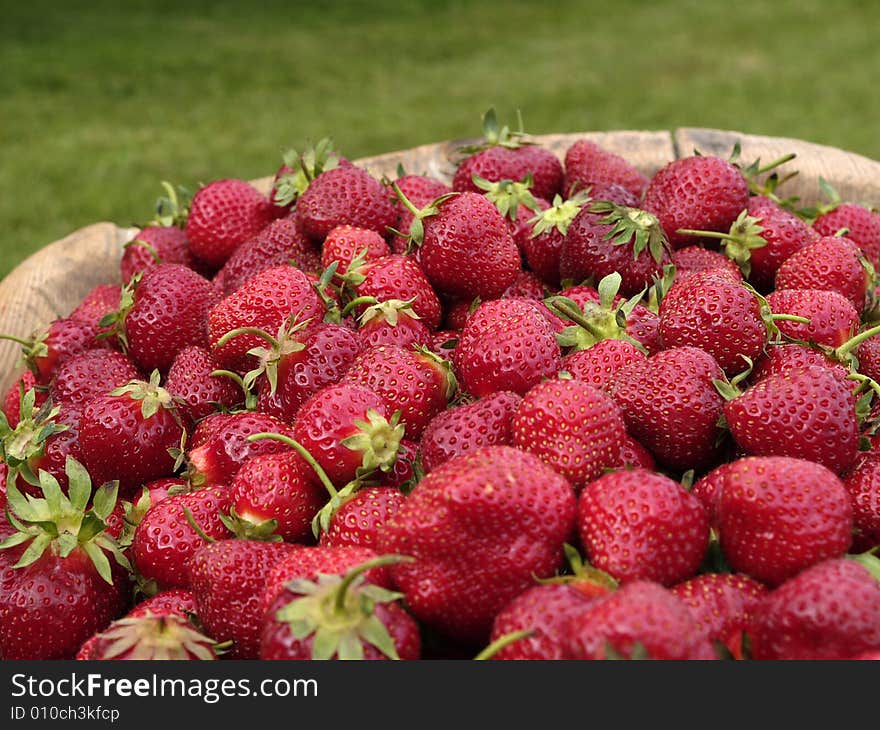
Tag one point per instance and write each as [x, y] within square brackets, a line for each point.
[557, 409]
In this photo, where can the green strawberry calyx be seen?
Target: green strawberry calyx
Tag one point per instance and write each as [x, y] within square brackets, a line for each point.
[155, 636]
[743, 238]
[152, 396]
[754, 170]
[33, 350]
[390, 311]
[496, 135]
[61, 523]
[417, 228]
[21, 447]
[508, 195]
[113, 323]
[378, 439]
[304, 168]
[172, 209]
[559, 215]
[632, 226]
[338, 612]
[581, 575]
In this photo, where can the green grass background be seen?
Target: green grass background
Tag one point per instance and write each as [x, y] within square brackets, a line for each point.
[101, 100]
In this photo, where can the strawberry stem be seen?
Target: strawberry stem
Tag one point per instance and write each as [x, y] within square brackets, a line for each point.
[502, 642]
[195, 525]
[248, 331]
[851, 344]
[356, 302]
[789, 318]
[322, 475]
[776, 163]
[339, 602]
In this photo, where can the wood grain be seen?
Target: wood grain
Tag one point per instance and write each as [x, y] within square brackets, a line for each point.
[51, 282]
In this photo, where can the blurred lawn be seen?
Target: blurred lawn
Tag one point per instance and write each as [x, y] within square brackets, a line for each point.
[101, 100]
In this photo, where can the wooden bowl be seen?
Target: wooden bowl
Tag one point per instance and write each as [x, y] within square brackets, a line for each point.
[51, 282]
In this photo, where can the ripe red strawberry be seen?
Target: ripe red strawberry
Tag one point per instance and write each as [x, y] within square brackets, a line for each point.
[348, 429]
[152, 637]
[189, 379]
[638, 525]
[165, 541]
[414, 382]
[863, 484]
[700, 192]
[722, 605]
[831, 262]
[12, 399]
[598, 363]
[487, 421]
[543, 609]
[346, 195]
[670, 405]
[587, 164]
[505, 163]
[833, 319]
[400, 277]
[359, 519]
[126, 434]
[634, 456]
[420, 190]
[466, 249]
[788, 357]
[99, 302]
[525, 286]
[808, 414]
[393, 323]
[280, 242]
[344, 244]
[716, 314]
[778, 515]
[501, 517]
[90, 374]
[299, 169]
[280, 487]
[265, 302]
[641, 619]
[339, 617]
[173, 602]
[326, 354]
[170, 310]
[572, 427]
[456, 314]
[862, 224]
[228, 578]
[869, 357]
[692, 260]
[222, 446]
[59, 568]
[605, 238]
[154, 245]
[223, 215]
[828, 611]
[506, 344]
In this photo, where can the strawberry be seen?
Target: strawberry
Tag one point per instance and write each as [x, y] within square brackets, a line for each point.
[862, 225]
[191, 381]
[299, 169]
[170, 310]
[571, 427]
[506, 345]
[414, 382]
[785, 358]
[833, 319]
[700, 192]
[761, 508]
[346, 616]
[692, 260]
[525, 286]
[265, 302]
[544, 610]
[542, 247]
[503, 516]
[165, 540]
[99, 302]
[174, 602]
[808, 414]
[344, 244]
[223, 215]
[12, 399]
[149, 637]
[640, 620]
[605, 238]
[466, 248]
[587, 164]
[485, 422]
[345, 195]
[90, 374]
[670, 405]
[399, 277]
[719, 315]
[831, 262]
[863, 484]
[639, 525]
[595, 365]
[154, 245]
[359, 519]
[634, 456]
[869, 357]
[55, 568]
[218, 452]
[349, 430]
[280, 242]
[420, 190]
[126, 434]
[228, 578]
[722, 605]
[828, 611]
[277, 493]
[393, 323]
